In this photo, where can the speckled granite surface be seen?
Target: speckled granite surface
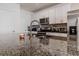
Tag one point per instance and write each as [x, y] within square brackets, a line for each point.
[57, 46]
[72, 46]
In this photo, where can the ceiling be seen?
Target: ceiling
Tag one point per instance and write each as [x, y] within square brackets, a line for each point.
[34, 7]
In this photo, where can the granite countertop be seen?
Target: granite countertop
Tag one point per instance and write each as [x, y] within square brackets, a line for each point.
[53, 34]
[57, 36]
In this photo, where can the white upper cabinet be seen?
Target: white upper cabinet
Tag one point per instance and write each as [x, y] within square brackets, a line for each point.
[51, 16]
[58, 14]
[65, 9]
[61, 13]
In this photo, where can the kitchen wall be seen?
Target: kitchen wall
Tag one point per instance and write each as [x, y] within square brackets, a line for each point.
[13, 20]
[9, 15]
[26, 18]
[9, 24]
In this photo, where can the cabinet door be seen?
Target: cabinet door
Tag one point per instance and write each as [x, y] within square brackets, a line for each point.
[61, 13]
[58, 14]
[51, 16]
[65, 9]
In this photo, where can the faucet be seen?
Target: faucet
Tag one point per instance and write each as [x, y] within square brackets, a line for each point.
[31, 30]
